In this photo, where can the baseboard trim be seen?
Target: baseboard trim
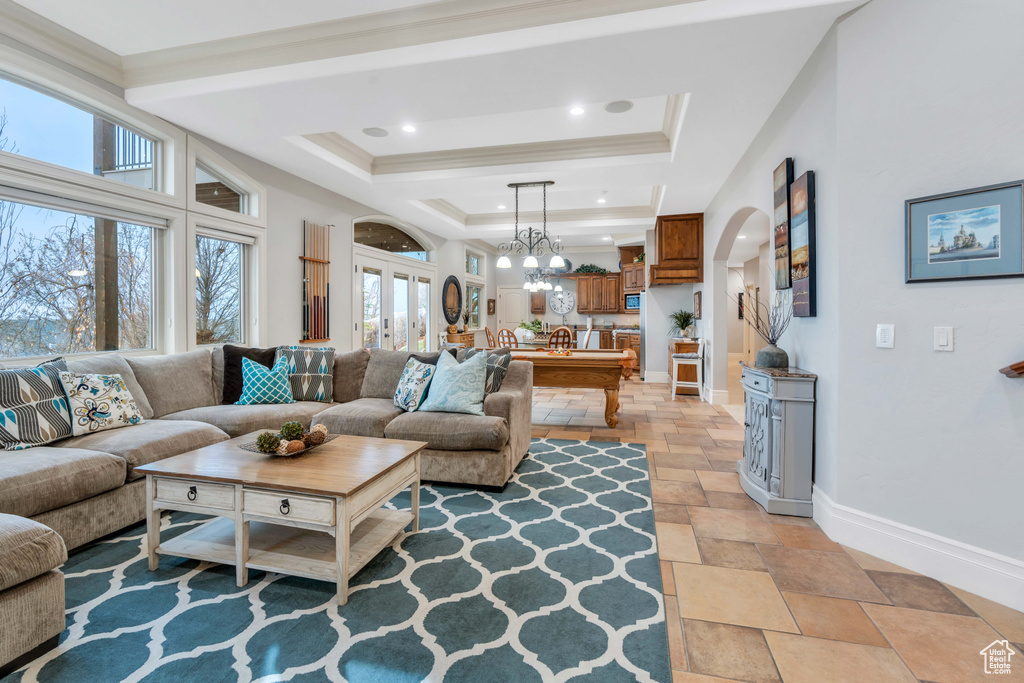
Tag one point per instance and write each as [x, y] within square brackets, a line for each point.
[718, 397]
[982, 572]
[652, 377]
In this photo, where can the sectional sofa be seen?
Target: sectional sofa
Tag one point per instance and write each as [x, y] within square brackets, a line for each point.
[85, 487]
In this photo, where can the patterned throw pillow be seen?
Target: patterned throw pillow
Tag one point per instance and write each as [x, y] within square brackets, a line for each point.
[310, 371]
[33, 408]
[497, 367]
[457, 387]
[413, 385]
[260, 385]
[99, 402]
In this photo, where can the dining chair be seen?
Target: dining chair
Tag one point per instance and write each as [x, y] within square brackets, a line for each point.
[560, 339]
[507, 339]
[490, 337]
[694, 359]
[586, 340]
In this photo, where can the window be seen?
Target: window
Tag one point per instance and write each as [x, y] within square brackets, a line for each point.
[73, 283]
[473, 305]
[213, 191]
[220, 271]
[388, 238]
[43, 127]
[472, 263]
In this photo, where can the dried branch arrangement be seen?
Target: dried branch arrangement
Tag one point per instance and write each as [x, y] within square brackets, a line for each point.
[770, 323]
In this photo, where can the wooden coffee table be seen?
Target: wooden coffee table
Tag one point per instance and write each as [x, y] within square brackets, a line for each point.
[318, 515]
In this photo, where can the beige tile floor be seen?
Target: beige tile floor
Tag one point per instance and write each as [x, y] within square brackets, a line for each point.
[765, 598]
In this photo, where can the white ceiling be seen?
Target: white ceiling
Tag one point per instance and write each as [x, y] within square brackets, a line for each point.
[490, 108]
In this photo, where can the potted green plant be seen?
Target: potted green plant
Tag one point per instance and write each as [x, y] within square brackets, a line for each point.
[679, 321]
[532, 328]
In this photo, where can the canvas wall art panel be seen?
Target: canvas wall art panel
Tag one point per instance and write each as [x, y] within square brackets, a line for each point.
[801, 240]
[968, 234]
[781, 180]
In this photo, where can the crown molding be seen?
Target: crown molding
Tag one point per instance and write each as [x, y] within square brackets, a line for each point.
[39, 33]
[563, 215]
[446, 208]
[406, 27]
[524, 153]
[344, 148]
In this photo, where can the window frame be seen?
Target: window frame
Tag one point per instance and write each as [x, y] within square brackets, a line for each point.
[254, 194]
[254, 283]
[47, 178]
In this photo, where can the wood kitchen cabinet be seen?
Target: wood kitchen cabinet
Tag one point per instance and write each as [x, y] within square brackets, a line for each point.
[596, 294]
[628, 341]
[606, 339]
[633, 280]
[599, 293]
[584, 294]
[680, 244]
[612, 293]
[537, 303]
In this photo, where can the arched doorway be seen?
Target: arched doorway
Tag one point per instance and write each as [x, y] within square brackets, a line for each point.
[741, 266]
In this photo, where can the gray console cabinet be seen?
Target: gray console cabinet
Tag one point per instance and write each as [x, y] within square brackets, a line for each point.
[778, 442]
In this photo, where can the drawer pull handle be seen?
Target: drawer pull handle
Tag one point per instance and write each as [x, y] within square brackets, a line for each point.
[286, 507]
[192, 493]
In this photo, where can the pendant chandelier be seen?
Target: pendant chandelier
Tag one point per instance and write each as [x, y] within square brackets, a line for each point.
[530, 243]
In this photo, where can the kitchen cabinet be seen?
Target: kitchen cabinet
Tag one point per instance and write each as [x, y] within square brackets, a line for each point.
[680, 246]
[633, 280]
[537, 303]
[597, 294]
[606, 339]
[687, 373]
[628, 341]
[584, 294]
[612, 293]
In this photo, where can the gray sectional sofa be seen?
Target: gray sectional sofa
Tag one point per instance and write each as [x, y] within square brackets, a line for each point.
[86, 487]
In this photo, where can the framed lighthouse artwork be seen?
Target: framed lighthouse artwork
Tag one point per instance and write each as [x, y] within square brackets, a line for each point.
[966, 235]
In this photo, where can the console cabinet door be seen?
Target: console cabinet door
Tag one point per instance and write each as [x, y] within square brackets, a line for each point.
[757, 439]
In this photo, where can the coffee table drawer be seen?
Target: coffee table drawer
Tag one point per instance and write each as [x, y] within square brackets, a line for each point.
[200, 494]
[282, 505]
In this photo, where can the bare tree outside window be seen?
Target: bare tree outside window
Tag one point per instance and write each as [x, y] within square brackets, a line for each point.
[218, 291]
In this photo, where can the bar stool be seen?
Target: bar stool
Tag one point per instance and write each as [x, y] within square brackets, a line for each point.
[694, 359]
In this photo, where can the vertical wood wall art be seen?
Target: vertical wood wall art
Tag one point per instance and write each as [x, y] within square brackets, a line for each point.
[316, 282]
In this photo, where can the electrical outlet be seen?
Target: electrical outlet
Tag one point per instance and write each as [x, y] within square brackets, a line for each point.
[943, 338]
[885, 336]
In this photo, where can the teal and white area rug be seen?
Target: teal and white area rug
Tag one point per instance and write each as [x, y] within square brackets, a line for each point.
[556, 578]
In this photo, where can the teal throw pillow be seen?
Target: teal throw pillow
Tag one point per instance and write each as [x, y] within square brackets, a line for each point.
[413, 385]
[261, 385]
[457, 387]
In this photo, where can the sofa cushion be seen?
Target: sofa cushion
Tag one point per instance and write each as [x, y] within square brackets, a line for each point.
[458, 387]
[412, 387]
[261, 386]
[362, 417]
[47, 477]
[33, 408]
[349, 371]
[497, 367]
[176, 382]
[232, 358]
[382, 373]
[239, 420]
[99, 402]
[310, 372]
[150, 441]
[27, 549]
[450, 431]
[113, 364]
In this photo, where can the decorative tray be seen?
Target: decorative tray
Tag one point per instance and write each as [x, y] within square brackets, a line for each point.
[251, 447]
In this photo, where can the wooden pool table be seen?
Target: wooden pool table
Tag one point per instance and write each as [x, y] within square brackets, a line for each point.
[604, 369]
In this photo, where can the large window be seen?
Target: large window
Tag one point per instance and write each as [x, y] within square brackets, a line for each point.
[43, 127]
[220, 287]
[473, 293]
[73, 283]
[213, 190]
[473, 263]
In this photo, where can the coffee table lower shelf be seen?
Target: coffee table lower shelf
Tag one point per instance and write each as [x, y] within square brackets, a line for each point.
[289, 550]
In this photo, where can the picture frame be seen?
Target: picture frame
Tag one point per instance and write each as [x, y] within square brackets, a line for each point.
[970, 234]
[801, 246]
[782, 178]
[491, 307]
[696, 305]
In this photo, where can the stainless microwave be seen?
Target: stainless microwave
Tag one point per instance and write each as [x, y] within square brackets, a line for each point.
[632, 302]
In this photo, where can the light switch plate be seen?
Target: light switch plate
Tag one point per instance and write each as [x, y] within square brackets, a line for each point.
[943, 338]
[885, 336]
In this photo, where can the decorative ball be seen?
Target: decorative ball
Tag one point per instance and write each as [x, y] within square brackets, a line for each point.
[291, 430]
[319, 428]
[282, 447]
[268, 442]
[316, 438]
[294, 446]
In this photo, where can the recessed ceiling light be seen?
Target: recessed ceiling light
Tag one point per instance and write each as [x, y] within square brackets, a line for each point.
[741, 237]
[601, 200]
[375, 132]
[501, 207]
[607, 239]
[409, 128]
[618, 107]
[577, 111]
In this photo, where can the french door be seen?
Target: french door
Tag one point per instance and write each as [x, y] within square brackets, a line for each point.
[393, 306]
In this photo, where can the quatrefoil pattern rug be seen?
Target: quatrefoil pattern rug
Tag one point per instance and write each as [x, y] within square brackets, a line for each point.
[554, 579]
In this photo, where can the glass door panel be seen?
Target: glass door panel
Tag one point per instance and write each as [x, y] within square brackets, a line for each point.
[400, 313]
[423, 313]
[372, 305]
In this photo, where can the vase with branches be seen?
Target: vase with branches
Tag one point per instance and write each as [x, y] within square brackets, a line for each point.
[678, 322]
[770, 323]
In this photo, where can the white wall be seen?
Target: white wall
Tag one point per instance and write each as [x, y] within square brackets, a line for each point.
[920, 449]
[734, 285]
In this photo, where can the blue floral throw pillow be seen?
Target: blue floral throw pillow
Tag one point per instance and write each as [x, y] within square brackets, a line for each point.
[99, 402]
[457, 387]
[261, 385]
[413, 385]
